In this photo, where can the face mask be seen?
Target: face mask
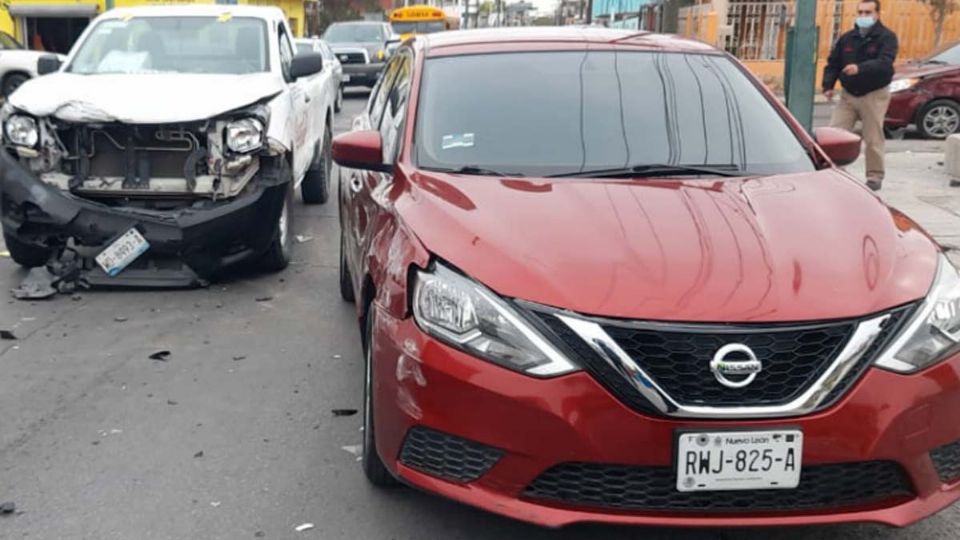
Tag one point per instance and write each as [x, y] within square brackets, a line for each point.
[865, 22]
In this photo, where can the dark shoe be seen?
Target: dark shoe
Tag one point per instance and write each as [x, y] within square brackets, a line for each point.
[874, 184]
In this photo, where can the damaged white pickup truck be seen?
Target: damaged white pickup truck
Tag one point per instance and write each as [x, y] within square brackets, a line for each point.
[167, 147]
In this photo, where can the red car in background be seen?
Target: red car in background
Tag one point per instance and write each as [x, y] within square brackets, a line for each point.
[604, 276]
[926, 94]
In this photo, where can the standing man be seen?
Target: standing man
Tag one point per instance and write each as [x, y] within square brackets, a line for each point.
[862, 60]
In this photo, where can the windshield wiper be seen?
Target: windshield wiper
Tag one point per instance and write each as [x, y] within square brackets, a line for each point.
[653, 170]
[479, 171]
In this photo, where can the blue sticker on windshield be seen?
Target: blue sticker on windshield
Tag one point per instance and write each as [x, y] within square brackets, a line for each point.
[457, 141]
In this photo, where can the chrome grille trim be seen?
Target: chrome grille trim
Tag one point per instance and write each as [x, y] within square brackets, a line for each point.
[810, 401]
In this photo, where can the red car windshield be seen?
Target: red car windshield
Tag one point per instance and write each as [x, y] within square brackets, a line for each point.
[553, 113]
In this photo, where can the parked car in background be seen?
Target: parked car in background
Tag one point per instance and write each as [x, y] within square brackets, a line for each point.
[330, 63]
[167, 147]
[361, 47]
[17, 65]
[926, 94]
[628, 287]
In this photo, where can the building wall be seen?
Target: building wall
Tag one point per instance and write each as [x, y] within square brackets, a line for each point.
[754, 31]
[294, 10]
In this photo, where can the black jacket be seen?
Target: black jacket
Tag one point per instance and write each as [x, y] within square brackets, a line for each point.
[874, 53]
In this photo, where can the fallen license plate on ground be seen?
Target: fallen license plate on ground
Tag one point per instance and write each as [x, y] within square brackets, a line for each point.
[122, 252]
[739, 460]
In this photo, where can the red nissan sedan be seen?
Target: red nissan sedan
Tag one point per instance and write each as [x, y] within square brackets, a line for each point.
[605, 277]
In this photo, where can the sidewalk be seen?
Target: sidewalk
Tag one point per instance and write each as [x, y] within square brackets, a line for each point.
[918, 186]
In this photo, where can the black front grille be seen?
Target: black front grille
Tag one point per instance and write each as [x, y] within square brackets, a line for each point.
[946, 460]
[352, 58]
[446, 456]
[654, 489]
[677, 358]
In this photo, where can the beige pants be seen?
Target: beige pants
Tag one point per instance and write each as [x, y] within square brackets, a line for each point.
[870, 110]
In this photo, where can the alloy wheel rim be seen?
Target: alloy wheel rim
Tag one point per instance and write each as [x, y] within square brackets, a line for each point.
[367, 398]
[282, 225]
[941, 121]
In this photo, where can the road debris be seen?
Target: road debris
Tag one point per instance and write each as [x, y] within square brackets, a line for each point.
[120, 318]
[171, 402]
[239, 358]
[337, 356]
[7, 335]
[8, 508]
[198, 455]
[355, 450]
[215, 504]
[160, 356]
[344, 412]
[38, 285]
[304, 527]
[301, 239]
[264, 298]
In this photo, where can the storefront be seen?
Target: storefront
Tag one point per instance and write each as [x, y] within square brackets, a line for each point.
[54, 25]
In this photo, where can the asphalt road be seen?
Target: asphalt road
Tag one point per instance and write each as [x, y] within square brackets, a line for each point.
[99, 442]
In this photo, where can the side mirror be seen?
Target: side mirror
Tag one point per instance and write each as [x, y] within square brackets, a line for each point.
[360, 150]
[306, 64]
[48, 63]
[841, 146]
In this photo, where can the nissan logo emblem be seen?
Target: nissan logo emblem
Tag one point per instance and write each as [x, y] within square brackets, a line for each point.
[735, 365]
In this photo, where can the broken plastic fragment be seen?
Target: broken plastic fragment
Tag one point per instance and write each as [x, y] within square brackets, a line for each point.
[38, 285]
[7, 335]
[7, 508]
[344, 412]
[160, 356]
[264, 298]
[198, 455]
[304, 527]
[355, 450]
[215, 504]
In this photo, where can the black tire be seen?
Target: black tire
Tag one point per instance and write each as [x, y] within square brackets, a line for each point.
[316, 184]
[26, 255]
[939, 119]
[338, 102]
[346, 282]
[277, 256]
[373, 467]
[13, 81]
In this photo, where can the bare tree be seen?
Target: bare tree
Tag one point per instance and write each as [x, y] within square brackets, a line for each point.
[939, 11]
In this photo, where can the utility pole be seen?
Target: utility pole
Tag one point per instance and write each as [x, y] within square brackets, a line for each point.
[801, 65]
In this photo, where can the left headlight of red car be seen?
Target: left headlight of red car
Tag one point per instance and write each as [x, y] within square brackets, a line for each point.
[934, 332]
[466, 315]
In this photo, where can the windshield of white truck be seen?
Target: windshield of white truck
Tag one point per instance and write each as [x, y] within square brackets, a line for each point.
[235, 45]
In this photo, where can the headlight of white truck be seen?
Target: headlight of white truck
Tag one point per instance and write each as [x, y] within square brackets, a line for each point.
[934, 332]
[244, 135]
[21, 130]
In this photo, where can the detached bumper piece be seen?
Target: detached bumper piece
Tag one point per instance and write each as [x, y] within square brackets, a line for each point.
[822, 487]
[189, 244]
[447, 457]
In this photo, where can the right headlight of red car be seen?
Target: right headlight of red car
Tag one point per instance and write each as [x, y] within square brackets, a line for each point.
[933, 334]
[466, 315]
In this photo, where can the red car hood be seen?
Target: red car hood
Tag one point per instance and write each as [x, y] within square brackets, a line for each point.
[909, 71]
[802, 247]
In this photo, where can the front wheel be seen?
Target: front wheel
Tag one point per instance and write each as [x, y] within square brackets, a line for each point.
[939, 119]
[316, 184]
[373, 467]
[277, 256]
[26, 255]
